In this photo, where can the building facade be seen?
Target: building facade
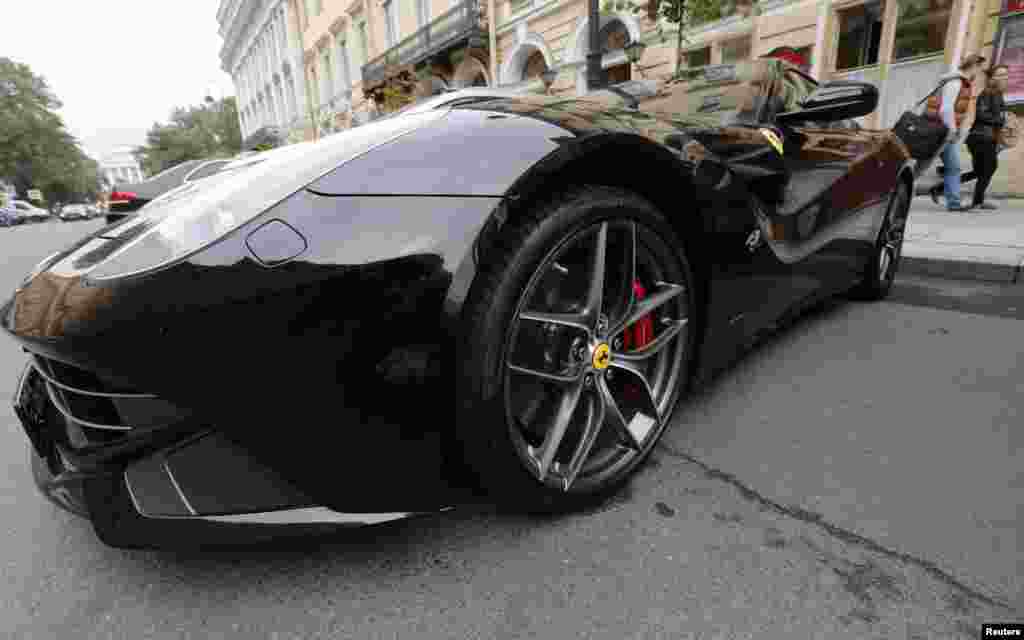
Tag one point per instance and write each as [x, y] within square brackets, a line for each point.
[356, 53]
[354, 59]
[263, 55]
[365, 57]
[120, 167]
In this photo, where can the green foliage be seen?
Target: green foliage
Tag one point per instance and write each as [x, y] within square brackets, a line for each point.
[193, 133]
[683, 14]
[36, 150]
[395, 98]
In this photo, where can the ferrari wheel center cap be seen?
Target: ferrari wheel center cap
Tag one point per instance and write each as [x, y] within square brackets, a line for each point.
[602, 356]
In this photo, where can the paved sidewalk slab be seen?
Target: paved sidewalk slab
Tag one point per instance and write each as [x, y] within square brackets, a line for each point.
[975, 245]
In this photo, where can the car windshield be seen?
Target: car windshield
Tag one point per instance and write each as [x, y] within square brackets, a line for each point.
[460, 97]
[721, 95]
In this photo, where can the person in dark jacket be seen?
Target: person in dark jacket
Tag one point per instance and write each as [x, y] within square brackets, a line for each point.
[983, 139]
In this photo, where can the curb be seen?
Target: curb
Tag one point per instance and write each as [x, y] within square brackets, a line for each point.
[922, 192]
[960, 269]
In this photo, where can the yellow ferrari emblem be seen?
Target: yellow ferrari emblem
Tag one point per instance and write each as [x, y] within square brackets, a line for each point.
[773, 139]
[602, 356]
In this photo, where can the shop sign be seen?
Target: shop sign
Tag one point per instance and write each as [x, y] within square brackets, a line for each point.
[1011, 53]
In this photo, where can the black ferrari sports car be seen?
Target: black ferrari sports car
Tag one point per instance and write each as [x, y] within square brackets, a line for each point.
[128, 198]
[516, 290]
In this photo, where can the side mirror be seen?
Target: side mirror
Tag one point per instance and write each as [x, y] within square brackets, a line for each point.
[840, 100]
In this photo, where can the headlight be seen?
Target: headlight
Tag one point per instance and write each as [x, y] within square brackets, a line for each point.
[189, 219]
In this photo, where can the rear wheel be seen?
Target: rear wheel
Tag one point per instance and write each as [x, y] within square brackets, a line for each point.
[885, 260]
[579, 341]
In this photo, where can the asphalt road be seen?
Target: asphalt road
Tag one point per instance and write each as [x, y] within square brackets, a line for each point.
[857, 476]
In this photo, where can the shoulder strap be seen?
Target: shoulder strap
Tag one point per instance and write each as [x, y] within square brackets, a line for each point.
[939, 88]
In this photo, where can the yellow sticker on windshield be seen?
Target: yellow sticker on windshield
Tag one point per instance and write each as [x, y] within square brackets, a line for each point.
[773, 138]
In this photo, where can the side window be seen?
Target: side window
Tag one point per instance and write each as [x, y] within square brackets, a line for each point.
[207, 169]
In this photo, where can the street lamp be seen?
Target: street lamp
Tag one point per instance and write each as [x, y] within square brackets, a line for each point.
[634, 51]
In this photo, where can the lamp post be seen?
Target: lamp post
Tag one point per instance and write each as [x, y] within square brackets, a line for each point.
[635, 51]
[594, 75]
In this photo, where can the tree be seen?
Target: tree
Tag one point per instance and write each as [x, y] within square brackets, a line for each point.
[264, 139]
[193, 133]
[681, 13]
[36, 150]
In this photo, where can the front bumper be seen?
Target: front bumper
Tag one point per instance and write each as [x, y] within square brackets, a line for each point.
[179, 485]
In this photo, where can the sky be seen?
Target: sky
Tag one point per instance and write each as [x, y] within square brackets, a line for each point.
[118, 66]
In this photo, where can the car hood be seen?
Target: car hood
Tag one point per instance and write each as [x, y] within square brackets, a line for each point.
[191, 217]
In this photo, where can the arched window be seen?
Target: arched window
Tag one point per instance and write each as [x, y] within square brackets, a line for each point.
[535, 65]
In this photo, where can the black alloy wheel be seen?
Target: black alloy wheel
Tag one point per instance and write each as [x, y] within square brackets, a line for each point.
[885, 260]
[579, 344]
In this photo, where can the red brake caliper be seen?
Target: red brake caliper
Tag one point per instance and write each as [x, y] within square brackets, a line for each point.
[641, 333]
[637, 336]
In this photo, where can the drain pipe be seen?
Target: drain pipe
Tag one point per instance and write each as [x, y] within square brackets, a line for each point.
[961, 36]
[819, 41]
[492, 42]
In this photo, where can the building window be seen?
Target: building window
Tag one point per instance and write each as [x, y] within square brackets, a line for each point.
[314, 89]
[735, 50]
[279, 95]
[271, 47]
[293, 98]
[921, 27]
[391, 22]
[326, 76]
[283, 34]
[698, 57]
[422, 12]
[344, 71]
[313, 9]
[364, 44]
[860, 34]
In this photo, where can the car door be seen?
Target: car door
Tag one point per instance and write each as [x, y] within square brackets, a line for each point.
[751, 286]
[839, 180]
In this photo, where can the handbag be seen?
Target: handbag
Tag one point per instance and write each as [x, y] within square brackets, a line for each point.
[1009, 134]
[922, 135]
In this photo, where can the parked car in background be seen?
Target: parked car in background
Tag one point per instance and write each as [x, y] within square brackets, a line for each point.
[74, 212]
[30, 213]
[7, 215]
[130, 197]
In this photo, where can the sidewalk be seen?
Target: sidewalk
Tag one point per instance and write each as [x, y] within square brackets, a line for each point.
[977, 245]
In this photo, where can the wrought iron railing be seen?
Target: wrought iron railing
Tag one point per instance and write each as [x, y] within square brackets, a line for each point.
[447, 29]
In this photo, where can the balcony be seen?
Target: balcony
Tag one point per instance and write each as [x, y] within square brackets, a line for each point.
[448, 29]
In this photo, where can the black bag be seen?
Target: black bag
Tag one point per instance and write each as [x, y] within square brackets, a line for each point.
[924, 136]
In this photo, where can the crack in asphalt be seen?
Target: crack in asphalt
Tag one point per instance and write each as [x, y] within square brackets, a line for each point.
[834, 530]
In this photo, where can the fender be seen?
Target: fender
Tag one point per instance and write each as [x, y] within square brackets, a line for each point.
[546, 147]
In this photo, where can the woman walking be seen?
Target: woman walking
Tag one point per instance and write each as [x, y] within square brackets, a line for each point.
[983, 140]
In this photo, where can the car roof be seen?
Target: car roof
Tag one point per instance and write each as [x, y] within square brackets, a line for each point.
[628, 93]
[458, 95]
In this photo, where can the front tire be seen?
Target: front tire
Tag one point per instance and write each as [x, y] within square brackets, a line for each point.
[578, 345]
